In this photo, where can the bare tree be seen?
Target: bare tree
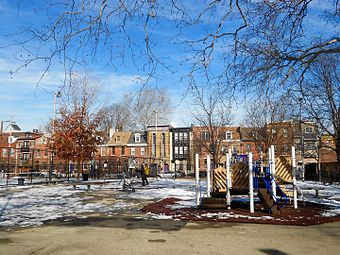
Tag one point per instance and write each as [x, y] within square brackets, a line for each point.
[211, 113]
[137, 111]
[75, 130]
[150, 102]
[117, 116]
[269, 38]
[265, 120]
[321, 97]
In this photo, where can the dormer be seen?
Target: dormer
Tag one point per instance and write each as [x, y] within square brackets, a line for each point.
[229, 135]
[137, 138]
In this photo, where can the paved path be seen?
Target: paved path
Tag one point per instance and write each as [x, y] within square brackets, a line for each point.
[128, 235]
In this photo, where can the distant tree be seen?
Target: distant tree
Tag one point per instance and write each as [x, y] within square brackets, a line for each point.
[149, 102]
[137, 111]
[211, 113]
[75, 134]
[265, 117]
[320, 94]
[117, 116]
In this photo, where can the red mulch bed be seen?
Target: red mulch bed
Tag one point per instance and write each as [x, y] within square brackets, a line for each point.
[306, 214]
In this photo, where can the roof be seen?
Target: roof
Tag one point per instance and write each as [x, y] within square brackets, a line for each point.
[142, 138]
[161, 126]
[11, 128]
[29, 136]
[247, 133]
[120, 138]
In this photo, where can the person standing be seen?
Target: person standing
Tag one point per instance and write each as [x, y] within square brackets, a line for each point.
[145, 173]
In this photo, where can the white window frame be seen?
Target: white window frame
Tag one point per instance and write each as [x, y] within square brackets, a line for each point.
[137, 138]
[309, 130]
[133, 151]
[229, 135]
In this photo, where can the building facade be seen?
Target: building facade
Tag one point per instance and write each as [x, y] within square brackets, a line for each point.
[181, 147]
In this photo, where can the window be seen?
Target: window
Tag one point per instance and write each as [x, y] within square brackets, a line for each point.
[185, 136]
[163, 145]
[228, 135]
[205, 135]
[181, 136]
[273, 130]
[309, 130]
[181, 150]
[26, 156]
[176, 136]
[118, 139]
[137, 138]
[234, 150]
[123, 150]
[12, 151]
[153, 145]
[176, 149]
[133, 151]
[310, 145]
[142, 151]
[285, 132]
[113, 151]
[38, 153]
[254, 134]
[46, 153]
[26, 144]
[185, 150]
[4, 151]
[249, 147]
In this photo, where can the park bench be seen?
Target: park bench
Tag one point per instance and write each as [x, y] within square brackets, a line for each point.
[88, 184]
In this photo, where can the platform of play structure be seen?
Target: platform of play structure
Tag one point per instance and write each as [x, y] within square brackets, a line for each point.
[267, 181]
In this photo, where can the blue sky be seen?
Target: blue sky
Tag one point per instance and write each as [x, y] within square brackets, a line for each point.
[31, 104]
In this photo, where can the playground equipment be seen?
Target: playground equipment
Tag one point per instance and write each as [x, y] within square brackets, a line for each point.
[265, 181]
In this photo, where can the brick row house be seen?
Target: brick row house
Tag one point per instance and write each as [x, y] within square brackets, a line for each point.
[24, 152]
[166, 148]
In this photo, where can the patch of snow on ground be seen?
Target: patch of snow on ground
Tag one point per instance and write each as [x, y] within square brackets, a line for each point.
[31, 205]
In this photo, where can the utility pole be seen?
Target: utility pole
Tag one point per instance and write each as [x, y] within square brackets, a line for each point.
[9, 150]
[56, 95]
[302, 142]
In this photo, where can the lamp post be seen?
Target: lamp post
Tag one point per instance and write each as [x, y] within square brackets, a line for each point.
[302, 142]
[57, 94]
[156, 133]
[9, 149]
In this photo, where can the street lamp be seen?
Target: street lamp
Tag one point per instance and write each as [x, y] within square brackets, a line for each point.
[302, 142]
[156, 112]
[57, 94]
[9, 150]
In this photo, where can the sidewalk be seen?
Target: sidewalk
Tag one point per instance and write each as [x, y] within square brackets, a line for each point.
[127, 236]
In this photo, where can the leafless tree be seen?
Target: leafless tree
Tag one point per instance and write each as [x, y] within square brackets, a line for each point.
[117, 116]
[211, 114]
[266, 117]
[150, 102]
[321, 97]
[137, 111]
[269, 38]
